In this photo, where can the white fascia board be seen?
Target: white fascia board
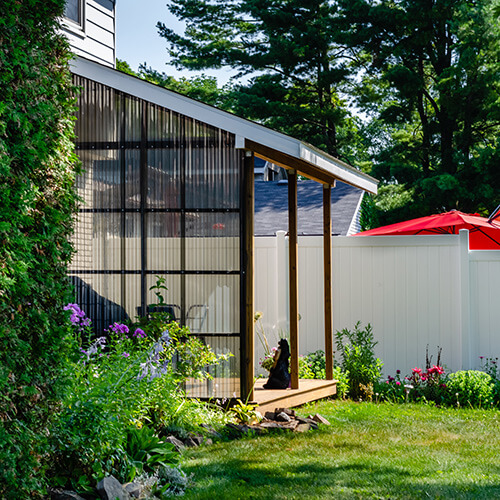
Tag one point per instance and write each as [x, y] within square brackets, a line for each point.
[210, 115]
[338, 168]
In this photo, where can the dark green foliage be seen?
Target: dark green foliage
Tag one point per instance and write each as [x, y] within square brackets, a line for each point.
[469, 389]
[293, 52]
[493, 370]
[358, 361]
[202, 88]
[431, 86]
[147, 451]
[316, 364]
[37, 203]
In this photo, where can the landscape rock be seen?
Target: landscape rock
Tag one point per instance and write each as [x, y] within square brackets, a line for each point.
[270, 415]
[282, 417]
[190, 442]
[233, 430]
[303, 428]
[65, 495]
[133, 489]
[179, 445]
[288, 411]
[111, 489]
[197, 439]
[320, 419]
[211, 431]
[270, 425]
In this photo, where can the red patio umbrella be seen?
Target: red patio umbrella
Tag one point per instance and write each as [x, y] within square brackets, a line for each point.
[484, 234]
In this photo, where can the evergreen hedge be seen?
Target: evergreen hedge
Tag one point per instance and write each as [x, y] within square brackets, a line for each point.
[37, 205]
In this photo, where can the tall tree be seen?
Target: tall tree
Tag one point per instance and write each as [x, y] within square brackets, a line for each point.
[431, 80]
[291, 52]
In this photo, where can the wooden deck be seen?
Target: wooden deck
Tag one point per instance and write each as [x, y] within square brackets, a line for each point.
[309, 390]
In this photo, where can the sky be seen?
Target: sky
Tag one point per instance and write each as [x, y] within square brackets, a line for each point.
[138, 41]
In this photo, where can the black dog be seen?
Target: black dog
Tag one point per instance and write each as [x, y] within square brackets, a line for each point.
[279, 377]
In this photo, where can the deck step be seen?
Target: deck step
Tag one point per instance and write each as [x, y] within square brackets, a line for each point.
[309, 390]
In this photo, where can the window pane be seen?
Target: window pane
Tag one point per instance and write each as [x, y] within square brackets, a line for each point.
[72, 11]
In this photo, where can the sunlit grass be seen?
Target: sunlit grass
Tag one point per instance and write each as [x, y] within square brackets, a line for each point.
[369, 451]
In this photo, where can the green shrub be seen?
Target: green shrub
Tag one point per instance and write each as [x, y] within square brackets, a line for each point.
[358, 360]
[313, 366]
[122, 382]
[490, 366]
[37, 167]
[469, 389]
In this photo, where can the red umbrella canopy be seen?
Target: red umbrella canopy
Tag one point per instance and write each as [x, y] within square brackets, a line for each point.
[483, 234]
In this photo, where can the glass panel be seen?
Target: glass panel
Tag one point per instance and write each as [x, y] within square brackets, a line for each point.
[99, 113]
[133, 123]
[72, 10]
[226, 381]
[164, 178]
[213, 303]
[100, 296]
[172, 296]
[99, 185]
[164, 242]
[107, 241]
[131, 257]
[212, 173]
[212, 241]
[132, 178]
[100, 244]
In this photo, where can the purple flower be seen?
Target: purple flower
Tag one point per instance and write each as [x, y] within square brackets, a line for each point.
[398, 372]
[77, 317]
[119, 328]
[125, 354]
[165, 337]
[139, 333]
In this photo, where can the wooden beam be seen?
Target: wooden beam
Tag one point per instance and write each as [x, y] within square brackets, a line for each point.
[289, 162]
[247, 266]
[327, 279]
[294, 278]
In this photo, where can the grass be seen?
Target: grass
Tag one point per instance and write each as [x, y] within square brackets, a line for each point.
[369, 451]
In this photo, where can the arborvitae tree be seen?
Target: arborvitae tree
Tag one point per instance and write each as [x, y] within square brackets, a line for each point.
[37, 203]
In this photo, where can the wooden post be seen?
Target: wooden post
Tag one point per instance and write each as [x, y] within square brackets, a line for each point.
[247, 278]
[327, 259]
[294, 278]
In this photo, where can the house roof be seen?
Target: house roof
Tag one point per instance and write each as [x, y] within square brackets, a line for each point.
[274, 146]
[271, 208]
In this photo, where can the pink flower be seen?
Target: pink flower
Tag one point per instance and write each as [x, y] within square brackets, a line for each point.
[417, 370]
[398, 382]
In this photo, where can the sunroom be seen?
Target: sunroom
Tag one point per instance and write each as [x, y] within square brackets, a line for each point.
[167, 192]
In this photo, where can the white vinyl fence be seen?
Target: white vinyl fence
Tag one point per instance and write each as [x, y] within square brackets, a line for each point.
[415, 291]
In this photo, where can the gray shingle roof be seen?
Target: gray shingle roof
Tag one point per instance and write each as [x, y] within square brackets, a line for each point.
[271, 207]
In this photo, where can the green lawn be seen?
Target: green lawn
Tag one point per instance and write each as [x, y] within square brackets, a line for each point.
[369, 451]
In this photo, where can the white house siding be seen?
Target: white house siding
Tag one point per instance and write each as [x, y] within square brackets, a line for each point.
[416, 291]
[96, 41]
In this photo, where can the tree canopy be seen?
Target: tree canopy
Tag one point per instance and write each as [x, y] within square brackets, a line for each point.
[295, 63]
[423, 73]
[431, 83]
